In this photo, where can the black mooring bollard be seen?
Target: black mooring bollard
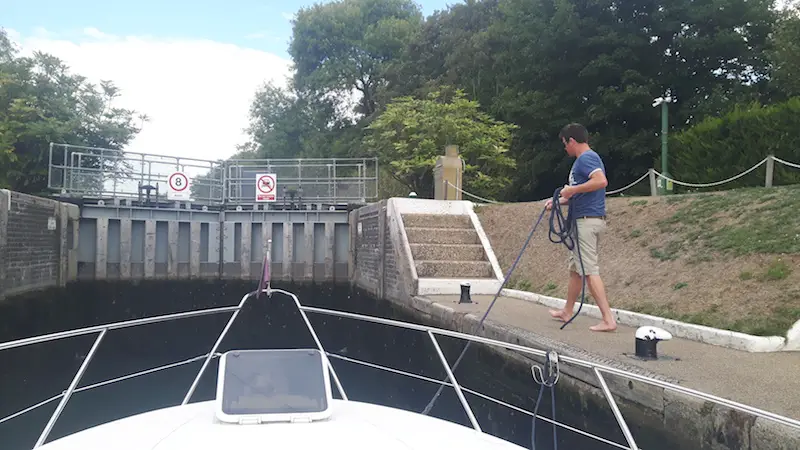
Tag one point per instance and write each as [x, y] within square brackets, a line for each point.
[646, 340]
[465, 298]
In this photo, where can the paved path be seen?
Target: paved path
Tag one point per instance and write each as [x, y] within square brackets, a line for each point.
[769, 381]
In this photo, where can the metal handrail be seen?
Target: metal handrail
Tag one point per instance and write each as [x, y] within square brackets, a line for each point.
[330, 179]
[597, 369]
[577, 361]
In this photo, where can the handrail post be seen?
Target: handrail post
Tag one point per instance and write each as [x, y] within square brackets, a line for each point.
[615, 409]
[319, 344]
[453, 380]
[68, 393]
[214, 350]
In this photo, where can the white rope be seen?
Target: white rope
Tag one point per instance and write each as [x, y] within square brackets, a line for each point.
[786, 163]
[630, 185]
[658, 174]
[716, 183]
[471, 195]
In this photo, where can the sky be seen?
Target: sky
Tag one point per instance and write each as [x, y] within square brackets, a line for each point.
[191, 66]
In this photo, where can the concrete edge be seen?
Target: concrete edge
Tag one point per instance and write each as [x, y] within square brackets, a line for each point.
[452, 286]
[487, 246]
[700, 333]
[404, 205]
[396, 224]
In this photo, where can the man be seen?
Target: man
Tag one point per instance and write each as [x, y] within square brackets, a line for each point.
[586, 195]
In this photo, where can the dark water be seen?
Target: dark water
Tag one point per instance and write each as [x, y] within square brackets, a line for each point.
[34, 373]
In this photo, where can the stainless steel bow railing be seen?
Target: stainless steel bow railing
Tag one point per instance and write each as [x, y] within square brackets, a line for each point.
[432, 332]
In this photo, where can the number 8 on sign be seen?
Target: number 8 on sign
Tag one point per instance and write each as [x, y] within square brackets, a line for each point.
[178, 184]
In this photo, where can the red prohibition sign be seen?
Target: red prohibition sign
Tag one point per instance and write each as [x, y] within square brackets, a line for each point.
[266, 184]
[178, 182]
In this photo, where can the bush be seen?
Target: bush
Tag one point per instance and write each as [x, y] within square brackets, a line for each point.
[722, 147]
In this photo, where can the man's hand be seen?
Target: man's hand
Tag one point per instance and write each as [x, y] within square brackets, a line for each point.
[567, 191]
[548, 205]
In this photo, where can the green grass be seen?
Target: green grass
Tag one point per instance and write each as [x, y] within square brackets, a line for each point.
[519, 284]
[667, 252]
[756, 220]
[777, 270]
[776, 321]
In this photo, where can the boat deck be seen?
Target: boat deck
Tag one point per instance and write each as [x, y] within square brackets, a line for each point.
[767, 381]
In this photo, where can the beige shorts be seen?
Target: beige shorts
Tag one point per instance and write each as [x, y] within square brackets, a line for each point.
[589, 231]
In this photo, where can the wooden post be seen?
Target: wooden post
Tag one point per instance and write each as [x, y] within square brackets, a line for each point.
[770, 171]
[653, 183]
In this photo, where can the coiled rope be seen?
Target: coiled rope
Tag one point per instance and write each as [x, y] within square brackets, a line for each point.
[561, 232]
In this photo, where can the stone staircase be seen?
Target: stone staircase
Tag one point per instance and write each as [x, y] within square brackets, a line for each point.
[446, 246]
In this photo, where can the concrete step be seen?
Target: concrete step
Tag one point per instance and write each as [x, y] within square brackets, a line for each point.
[441, 236]
[448, 252]
[438, 221]
[454, 269]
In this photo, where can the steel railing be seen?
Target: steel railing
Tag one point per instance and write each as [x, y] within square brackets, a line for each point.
[597, 369]
[92, 172]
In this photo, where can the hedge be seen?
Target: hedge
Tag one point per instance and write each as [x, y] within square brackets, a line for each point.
[721, 147]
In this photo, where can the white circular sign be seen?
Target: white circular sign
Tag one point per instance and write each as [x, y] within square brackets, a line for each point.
[266, 184]
[178, 182]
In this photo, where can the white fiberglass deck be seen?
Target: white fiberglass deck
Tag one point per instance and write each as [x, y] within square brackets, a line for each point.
[353, 426]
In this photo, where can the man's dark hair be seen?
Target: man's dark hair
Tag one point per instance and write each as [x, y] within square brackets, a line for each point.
[575, 131]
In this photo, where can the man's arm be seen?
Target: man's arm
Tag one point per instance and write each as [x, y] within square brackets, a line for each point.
[597, 180]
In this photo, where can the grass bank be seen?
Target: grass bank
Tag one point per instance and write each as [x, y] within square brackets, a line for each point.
[726, 259]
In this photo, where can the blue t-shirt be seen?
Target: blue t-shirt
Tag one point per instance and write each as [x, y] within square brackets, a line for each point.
[588, 203]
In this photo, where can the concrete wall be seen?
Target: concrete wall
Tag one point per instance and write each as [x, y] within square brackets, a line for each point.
[38, 245]
[196, 247]
[378, 262]
[381, 258]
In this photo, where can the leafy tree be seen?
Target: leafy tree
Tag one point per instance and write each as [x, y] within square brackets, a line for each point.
[343, 46]
[453, 47]
[40, 103]
[785, 55]
[283, 125]
[540, 64]
[412, 133]
[601, 62]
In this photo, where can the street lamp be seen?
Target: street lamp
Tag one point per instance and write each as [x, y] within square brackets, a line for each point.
[664, 102]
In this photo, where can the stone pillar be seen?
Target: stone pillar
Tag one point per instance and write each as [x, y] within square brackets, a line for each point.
[448, 168]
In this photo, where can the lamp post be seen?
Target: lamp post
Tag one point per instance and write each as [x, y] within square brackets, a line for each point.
[664, 186]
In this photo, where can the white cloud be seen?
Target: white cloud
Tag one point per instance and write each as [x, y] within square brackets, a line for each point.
[196, 92]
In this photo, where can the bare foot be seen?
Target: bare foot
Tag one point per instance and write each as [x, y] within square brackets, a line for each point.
[603, 326]
[560, 314]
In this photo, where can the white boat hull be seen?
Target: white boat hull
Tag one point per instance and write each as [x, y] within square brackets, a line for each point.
[353, 425]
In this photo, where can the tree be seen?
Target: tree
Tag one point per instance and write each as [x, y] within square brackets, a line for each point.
[412, 133]
[40, 103]
[343, 46]
[601, 62]
[785, 56]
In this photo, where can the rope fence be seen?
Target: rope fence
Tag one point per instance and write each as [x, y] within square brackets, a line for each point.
[654, 176]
